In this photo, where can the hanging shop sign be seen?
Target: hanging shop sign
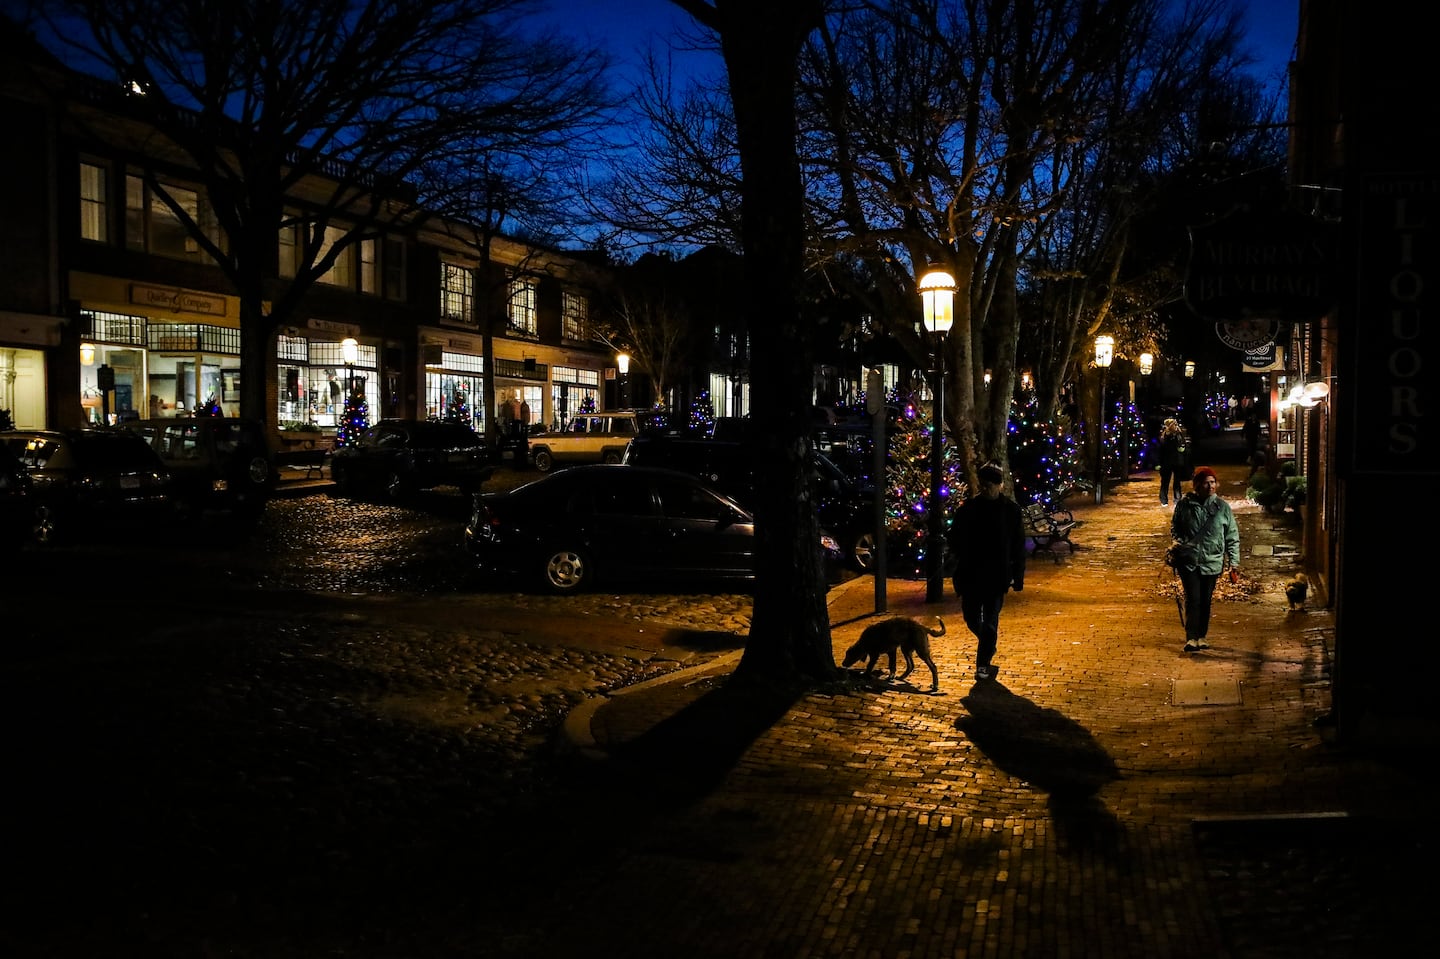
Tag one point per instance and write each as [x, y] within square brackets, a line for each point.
[1248, 332]
[1280, 265]
[1263, 358]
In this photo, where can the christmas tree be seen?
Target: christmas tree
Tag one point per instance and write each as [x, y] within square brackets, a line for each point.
[907, 482]
[702, 414]
[1045, 460]
[354, 421]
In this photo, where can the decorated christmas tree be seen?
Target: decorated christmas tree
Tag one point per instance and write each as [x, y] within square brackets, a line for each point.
[354, 421]
[702, 414]
[907, 511]
[1045, 460]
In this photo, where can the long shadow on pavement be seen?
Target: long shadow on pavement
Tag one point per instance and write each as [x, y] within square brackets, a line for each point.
[1049, 751]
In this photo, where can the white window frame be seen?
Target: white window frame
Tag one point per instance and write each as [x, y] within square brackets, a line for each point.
[574, 316]
[457, 293]
[94, 202]
[520, 306]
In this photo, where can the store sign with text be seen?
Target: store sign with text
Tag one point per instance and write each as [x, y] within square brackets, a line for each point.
[1277, 265]
[1396, 337]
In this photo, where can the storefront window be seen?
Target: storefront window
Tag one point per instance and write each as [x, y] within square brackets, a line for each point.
[454, 391]
[314, 381]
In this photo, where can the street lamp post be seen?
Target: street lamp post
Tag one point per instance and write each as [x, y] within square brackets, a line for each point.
[1104, 354]
[350, 353]
[622, 363]
[937, 298]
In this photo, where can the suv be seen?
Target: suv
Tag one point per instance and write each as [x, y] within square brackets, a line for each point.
[843, 509]
[217, 462]
[590, 438]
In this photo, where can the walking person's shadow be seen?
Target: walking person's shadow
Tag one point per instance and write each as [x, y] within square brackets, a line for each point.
[1051, 752]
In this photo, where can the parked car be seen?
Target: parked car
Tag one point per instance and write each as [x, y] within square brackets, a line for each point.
[14, 497]
[842, 507]
[589, 438]
[397, 457]
[89, 479]
[217, 463]
[610, 523]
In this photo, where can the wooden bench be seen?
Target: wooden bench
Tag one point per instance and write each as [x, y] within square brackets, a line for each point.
[1047, 528]
[312, 461]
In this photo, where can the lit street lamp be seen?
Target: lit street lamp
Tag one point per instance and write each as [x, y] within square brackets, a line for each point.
[622, 363]
[1104, 354]
[937, 298]
[350, 353]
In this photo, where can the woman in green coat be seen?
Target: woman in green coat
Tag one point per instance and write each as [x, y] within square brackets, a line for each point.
[1204, 520]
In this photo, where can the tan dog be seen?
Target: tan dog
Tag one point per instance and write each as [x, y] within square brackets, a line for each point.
[886, 636]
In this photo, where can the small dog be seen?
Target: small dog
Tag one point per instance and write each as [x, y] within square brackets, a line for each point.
[1296, 589]
[886, 636]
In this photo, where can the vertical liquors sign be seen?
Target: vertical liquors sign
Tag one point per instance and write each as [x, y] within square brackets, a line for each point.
[1395, 347]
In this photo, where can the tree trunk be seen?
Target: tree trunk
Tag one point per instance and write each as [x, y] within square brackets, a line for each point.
[790, 631]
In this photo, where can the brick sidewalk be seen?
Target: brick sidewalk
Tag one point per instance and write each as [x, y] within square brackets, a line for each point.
[1074, 807]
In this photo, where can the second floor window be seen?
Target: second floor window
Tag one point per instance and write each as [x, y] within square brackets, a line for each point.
[94, 208]
[368, 281]
[457, 287]
[573, 316]
[152, 224]
[521, 313]
[342, 271]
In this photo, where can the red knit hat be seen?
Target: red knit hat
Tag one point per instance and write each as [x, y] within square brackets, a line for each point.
[1204, 471]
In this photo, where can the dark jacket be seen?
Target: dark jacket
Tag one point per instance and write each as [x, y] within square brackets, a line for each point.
[988, 540]
[1175, 452]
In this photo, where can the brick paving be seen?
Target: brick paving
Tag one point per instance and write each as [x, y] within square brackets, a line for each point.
[1081, 805]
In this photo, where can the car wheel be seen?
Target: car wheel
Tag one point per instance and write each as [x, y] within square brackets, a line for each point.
[394, 487]
[344, 482]
[612, 457]
[862, 552]
[566, 571]
[257, 471]
[544, 462]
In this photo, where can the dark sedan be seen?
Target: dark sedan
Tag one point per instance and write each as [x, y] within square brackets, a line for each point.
[616, 524]
[397, 457]
[89, 479]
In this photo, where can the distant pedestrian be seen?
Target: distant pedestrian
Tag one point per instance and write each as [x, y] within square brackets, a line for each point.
[988, 540]
[1174, 460]
[1204, 520]
[1250, 430]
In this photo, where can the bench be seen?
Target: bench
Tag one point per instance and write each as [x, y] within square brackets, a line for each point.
[311, 461]
[1047, 528]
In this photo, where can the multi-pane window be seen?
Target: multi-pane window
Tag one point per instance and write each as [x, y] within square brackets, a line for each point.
[342, 271]
[573, 316]
[289, 251]
[93, 205]
[152, 224]
[457, 289]
[392, 268]
[521, 313]
[369, 282]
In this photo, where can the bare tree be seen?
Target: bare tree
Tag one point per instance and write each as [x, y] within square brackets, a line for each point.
[648, 320]
[316, 114]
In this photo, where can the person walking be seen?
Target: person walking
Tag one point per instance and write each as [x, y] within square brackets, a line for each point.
[1204, 520]
[988, 540]
[1174, 460]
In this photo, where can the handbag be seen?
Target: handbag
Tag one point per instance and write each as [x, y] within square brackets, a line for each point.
[1184, 554]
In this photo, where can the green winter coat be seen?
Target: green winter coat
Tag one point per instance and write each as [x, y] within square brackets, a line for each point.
[1220, 541]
